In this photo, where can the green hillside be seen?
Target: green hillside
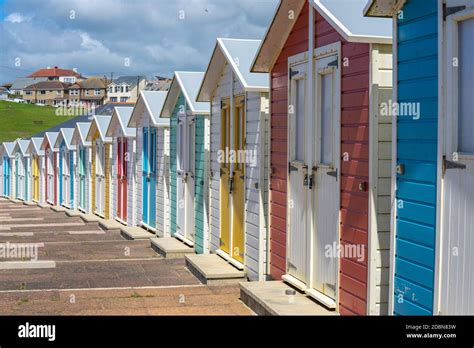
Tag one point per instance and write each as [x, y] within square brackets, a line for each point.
[25, 120]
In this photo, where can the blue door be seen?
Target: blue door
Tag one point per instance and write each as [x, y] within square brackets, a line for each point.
[71, 179]
[416, 146]
[149, 177]
[6, 176]
[61, 163]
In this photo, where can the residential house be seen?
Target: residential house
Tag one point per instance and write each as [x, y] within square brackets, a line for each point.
[126, 89]
[21, 83]
[47, 93]
[89, 92]
[58, 74]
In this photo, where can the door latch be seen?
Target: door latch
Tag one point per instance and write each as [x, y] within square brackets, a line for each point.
[451, 165]
[231, 184]
[308, 181]
[333, 174]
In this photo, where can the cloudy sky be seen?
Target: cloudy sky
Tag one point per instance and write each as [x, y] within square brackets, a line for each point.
[149, 37]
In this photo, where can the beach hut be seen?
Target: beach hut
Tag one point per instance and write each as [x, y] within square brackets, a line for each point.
[330, 154]
[101, 165]
[123, 166]
[6, 151]
[189, 160]
[83, 167]
[152, 162]
[67, 162]
[21, 170]
[51, 167]
[37, 169]
[433, 146]
[238, 155]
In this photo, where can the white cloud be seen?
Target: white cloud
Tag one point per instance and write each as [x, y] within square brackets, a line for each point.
[16, 17]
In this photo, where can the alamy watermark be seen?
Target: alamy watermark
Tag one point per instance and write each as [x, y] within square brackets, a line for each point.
[24, 251]
[350, 251]
[403, 109]
[237, 157]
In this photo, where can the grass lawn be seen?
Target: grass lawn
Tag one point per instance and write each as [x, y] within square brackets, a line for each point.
[24, 120]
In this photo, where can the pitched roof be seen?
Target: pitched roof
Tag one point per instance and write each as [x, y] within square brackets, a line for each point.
[346, 16]
[152, 102]
[121, 116]
[382, 8]
[80, 134]
[35, 146]
[187, 83]
[100, 123]
[54, 72]
[8, 148]
[47, 85]
[108, 109]
[66, 135]
[93, 82]
[239, 54]
[67, 124]
[129, 80]
[50, 138]
[23, 82]
[21, 145]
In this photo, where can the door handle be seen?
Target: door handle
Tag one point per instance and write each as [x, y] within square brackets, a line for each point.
[231, 184]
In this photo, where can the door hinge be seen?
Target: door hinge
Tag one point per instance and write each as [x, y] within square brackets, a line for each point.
[447, 11]
[333, 173]
[293, 73]
[451, 165]
[291, 168]
[334, 63]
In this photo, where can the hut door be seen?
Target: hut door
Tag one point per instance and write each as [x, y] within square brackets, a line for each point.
[149, 177]
[50, 176]
[189, 182]
[457, 202]
[225, 184]
[6, 176]
[17, 177]
[122, 145]
[100, 178]
[298, 176]
[238, 180]
[326, 177]
[36, 178]
[82, 178]
[181, 175]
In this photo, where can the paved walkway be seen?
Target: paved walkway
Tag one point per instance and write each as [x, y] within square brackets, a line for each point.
[98, 272]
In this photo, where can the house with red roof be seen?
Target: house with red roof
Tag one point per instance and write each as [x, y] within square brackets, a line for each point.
[58, 74]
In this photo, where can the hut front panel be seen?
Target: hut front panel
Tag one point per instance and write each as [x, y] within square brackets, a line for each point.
[417, 139]
[297, 42]
[200, 183]
[173, 164]
[162, 198]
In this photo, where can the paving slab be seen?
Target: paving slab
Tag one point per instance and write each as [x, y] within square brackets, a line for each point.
[110, 224]
[73, 212]
[133, 233]
[58, 209]
[278, 298]
[211, 269]
[29, 203]
[90, 218]
[170, 248]
[9, 265]
[43, 205]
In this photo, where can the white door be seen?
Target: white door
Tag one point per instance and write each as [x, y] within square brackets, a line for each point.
[181, 176]
[65, 178]
[189, 183]
[326, 176]
[50, 193]
[298, 175]
[457, 206]
[21, 177]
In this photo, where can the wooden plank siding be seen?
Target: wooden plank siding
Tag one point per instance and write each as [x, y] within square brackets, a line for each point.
[297, 42]
[417, 36]
[173, 164]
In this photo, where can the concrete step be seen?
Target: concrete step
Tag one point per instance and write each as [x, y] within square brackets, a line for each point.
[90, 218]
[212, 269]
[170, 248]
[133, 233]
[58, 209]
[43, 205]
[278, 298]
[110, 224]
[73, 213]
[29, 203]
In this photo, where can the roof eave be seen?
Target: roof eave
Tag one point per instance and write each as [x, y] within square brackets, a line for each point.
[171, 99]
[382, 8]
[203, 95]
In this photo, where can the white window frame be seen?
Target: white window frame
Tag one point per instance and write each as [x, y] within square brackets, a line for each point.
[452, 83]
